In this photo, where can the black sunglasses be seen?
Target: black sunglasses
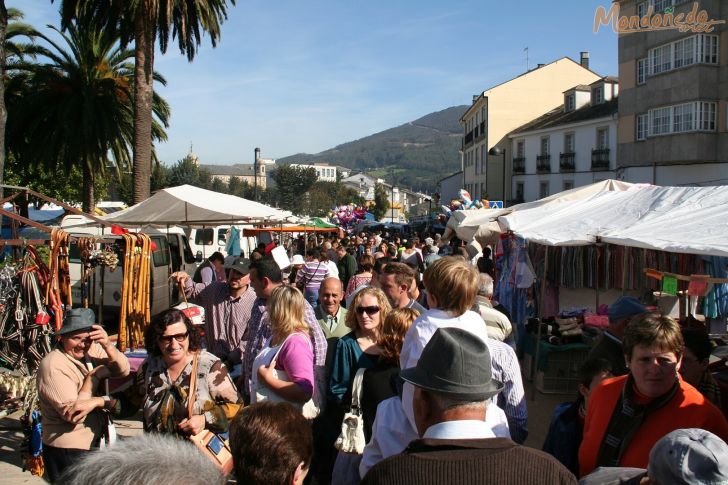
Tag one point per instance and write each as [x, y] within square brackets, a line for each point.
[370, 310]
[179, 337]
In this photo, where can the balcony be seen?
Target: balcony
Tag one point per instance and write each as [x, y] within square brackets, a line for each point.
[543, 164]
[480, 131]
[567, 162]
[600, 159]
[519, 165]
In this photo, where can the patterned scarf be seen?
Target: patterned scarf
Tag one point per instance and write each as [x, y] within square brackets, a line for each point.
[627, 418]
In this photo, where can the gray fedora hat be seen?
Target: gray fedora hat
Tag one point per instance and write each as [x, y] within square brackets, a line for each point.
[77, 319]
[455, 363]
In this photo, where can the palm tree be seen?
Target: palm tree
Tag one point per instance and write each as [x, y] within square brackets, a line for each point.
[145, 22]
[75, 105]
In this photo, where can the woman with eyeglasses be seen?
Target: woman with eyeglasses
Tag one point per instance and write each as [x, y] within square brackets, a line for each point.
[172, 342]
[73, 417]
[627, 415]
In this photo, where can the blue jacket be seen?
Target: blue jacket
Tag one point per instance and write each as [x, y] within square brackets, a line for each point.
[564, 436]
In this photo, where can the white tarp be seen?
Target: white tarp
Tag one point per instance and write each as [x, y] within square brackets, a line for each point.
[481, 224]
[192, 206]
[678, 219]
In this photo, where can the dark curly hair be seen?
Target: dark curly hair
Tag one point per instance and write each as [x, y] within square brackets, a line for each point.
[164, 320]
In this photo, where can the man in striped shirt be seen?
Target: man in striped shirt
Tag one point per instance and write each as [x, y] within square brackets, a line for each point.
[228, 307]
[309, 278]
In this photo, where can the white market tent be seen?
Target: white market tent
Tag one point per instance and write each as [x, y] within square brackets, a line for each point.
[676, 219]
[192, 206]
[482, 224]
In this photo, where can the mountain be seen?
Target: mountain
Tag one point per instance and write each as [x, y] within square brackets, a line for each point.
[419, 152]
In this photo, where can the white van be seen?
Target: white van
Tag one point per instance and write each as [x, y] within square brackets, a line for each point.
[172, 253]
[206, 240]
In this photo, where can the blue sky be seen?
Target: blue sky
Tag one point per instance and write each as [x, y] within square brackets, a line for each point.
[303, 76]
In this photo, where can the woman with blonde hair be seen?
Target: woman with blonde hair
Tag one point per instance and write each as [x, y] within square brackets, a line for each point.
[359, 348]
[285, 365]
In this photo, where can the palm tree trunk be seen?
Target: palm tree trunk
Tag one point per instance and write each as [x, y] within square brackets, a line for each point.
[3, 110]
[143, 91]
[88, 189]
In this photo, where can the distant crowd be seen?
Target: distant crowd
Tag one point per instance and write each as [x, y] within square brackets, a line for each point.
[374, 358]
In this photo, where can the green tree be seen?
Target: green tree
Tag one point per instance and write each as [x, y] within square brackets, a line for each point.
[381, 202]
[184, 172]
[74, 106]
[291, 183]
[220, 186]
[146, 22]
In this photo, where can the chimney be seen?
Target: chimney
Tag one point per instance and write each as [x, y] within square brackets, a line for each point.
[540, 66]
[584, 59]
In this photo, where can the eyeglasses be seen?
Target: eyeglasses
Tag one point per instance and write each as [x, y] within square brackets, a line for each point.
[179, 337]
[369, 310]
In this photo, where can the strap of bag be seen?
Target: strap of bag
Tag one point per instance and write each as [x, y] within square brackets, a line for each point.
[193, 384]
[356, 389]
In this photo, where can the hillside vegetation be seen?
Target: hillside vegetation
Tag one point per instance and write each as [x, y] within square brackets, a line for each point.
[419, 152]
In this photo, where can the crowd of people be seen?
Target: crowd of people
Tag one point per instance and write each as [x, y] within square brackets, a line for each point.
[389, 346]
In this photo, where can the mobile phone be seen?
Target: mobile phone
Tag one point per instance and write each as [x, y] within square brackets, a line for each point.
[215, 445]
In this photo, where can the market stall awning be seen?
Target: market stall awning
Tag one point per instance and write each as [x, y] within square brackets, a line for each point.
[254, 232]
[192, 206]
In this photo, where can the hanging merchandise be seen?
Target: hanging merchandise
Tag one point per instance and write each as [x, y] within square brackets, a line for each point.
[669, 285]
[58, 292]
[135, 312]
[698, 285]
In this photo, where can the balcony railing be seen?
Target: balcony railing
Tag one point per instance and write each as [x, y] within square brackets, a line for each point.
[600, 159]
[543, 163]
[567, 162]
[468, 139]
[519, 165]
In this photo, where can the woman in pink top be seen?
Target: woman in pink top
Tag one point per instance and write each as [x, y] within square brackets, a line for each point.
[363, 277]
[289, 350]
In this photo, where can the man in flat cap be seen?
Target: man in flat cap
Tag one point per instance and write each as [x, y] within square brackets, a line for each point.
[453, 383]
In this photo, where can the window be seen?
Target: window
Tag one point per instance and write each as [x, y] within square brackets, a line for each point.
[482, 158]
[519, 191]
[204, 236]
[521, 149]
[543, 189]
[642, 9]
[661, 5]
[707, 48]
[570, 102]
[545, 145]
[642, 68]
[477, 161]
[569, 143]
[661, 59]
[684, 52]
[598, 95]
[568, 184]
[660, 121]
[682, 118]
[642, 126]
[602, 138]
[706, 116]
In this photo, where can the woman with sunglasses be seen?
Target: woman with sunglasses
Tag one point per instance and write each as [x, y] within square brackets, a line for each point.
[172, 342]
[359, 348]
[72, 417]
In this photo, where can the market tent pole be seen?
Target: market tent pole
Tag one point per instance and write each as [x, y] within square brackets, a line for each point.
[597, 247]
[625, 265]
[534, 367]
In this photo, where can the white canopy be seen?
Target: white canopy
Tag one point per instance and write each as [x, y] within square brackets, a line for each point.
[677, 219]
[192, 206]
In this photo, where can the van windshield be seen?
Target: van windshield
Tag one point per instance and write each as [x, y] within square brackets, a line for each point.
[204, 236]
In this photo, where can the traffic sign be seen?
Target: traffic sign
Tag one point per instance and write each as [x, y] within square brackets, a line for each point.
[496, 204]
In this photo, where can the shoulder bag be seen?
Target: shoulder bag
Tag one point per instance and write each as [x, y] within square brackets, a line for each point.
[263, 393]
[213, 446]
[351, 439]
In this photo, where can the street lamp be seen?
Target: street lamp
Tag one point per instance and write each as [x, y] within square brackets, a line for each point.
[391, 198]
[256, 154]
[495, 151]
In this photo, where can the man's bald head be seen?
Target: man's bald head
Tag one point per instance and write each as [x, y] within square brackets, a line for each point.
[330, 295]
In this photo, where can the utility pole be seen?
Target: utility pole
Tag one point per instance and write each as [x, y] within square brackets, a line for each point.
[256, 154]
[392, 196]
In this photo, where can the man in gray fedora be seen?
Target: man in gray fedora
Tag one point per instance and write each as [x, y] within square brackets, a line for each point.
[453, 383]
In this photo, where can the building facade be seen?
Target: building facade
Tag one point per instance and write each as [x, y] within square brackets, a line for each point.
[324, 171]
[400, 199]
[571, 146]
[499, 110]
[672, 104]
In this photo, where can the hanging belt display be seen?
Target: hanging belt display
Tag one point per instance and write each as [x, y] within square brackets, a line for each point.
[135, 311]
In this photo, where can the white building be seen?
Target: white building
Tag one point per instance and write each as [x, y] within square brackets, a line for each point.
[450, 187]
[400, 199]
[571, 146]
[324, 171]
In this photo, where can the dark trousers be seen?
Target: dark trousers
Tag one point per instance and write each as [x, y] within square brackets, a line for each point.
[58, 459]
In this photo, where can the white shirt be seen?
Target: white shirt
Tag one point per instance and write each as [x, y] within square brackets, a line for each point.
[466, 429]
[391, 431]
[333, 269]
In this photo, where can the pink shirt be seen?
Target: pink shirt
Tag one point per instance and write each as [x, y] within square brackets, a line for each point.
[296, 359]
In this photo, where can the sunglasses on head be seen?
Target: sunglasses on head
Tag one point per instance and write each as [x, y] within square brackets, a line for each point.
[369, 310]
[179, 337]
